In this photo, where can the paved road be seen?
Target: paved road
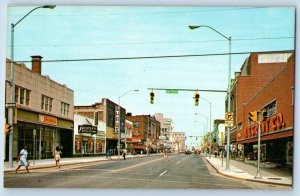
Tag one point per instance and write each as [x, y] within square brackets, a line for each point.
[154, 172]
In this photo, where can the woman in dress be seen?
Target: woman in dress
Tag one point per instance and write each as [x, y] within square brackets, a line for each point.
[22, 159]
[57, 154]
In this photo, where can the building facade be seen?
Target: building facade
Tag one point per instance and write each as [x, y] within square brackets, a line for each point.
[105, 111]
[144, 136]
[43, 116]
[179, 141]
[265, 83]
[89, 130]
[166, 130]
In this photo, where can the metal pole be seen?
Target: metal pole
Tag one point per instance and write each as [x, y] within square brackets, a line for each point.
[12, 98]
[34, 146]
[210, 130]
[228, 106]
[258, 174]
[119, 134]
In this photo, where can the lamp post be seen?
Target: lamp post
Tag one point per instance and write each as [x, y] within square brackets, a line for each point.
[229, 83]
[119, 134]
[206, 131]
[11, 82]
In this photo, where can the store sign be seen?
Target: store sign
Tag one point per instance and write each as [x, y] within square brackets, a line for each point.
[47, 119]
[269, 125]
[117, 119]
[87, 129]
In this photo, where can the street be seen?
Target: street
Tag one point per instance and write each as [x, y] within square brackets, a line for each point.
[178, 171]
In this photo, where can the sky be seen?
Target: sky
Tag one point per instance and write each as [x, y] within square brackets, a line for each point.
[101, 32]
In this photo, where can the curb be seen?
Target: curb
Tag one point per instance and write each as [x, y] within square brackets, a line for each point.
[246, 179]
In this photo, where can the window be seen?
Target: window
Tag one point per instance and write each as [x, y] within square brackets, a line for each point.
[46, 103]
[64, 109]
[136, 124]
[271, 108]
[240, 126]
[22, 95]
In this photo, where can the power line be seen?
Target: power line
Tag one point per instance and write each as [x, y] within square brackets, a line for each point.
[148, 43]
[152, 57]
[150, 13]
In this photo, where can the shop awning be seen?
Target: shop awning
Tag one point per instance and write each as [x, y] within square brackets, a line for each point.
[138, 147]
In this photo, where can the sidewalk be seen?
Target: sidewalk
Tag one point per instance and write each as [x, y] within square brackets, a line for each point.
[243, 171]
[48, 163]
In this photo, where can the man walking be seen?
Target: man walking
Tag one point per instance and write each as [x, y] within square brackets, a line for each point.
[124, 154]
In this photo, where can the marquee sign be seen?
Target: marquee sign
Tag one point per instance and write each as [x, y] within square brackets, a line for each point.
[87, 129]
[268, 125]
[117, 119]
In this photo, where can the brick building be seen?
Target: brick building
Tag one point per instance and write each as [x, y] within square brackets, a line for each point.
[266, 82]
[144, 135]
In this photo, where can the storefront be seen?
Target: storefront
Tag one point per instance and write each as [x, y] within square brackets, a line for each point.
[41, 134]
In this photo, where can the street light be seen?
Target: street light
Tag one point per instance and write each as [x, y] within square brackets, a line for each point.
[229, 81]
[11, 82]
[119, 134]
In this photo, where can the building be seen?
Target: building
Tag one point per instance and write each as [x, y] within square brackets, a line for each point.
[89, 130]
[179, 141]
[106, 112]
[166, 130]
[219, 135]
[144, 137]
[43, 116]
[265, 83]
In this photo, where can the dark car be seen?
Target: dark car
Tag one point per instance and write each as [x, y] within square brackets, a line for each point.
[188, 152]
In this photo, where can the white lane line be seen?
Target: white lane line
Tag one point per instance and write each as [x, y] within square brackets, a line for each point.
[163, 173]
[178, 162]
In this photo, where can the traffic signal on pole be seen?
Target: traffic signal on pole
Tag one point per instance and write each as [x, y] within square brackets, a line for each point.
[152, 97]
[196, 98]
[7, 128]
[253, 116]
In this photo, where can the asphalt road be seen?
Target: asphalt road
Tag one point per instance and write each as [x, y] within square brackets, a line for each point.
[178, 171]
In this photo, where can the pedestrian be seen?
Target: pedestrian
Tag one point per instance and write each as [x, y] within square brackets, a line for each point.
[124, 154]
[22, 159]
[165, 153]
[57, 154]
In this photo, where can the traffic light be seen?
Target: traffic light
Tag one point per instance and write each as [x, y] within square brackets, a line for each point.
[196, 98]
[7, 128]
[152, 97]
[253, 116]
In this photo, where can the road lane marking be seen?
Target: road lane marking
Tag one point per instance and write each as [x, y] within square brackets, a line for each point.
[178, 162]
[163, 173]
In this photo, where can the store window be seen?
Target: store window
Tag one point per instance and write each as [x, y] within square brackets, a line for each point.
[46, 103]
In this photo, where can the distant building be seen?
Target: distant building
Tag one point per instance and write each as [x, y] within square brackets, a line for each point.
[166, 130]
[44, 109]
[144, 137]
[179, 141]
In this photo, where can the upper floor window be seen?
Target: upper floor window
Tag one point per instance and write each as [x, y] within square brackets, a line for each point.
[46, 103]
[22, 95]
[271, 108]
[136, 124]
[64, 109]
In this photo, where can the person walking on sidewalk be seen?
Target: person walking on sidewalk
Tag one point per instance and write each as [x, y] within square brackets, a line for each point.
[22, 159]
[165, 153]
[57, 158]
[124, 154]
